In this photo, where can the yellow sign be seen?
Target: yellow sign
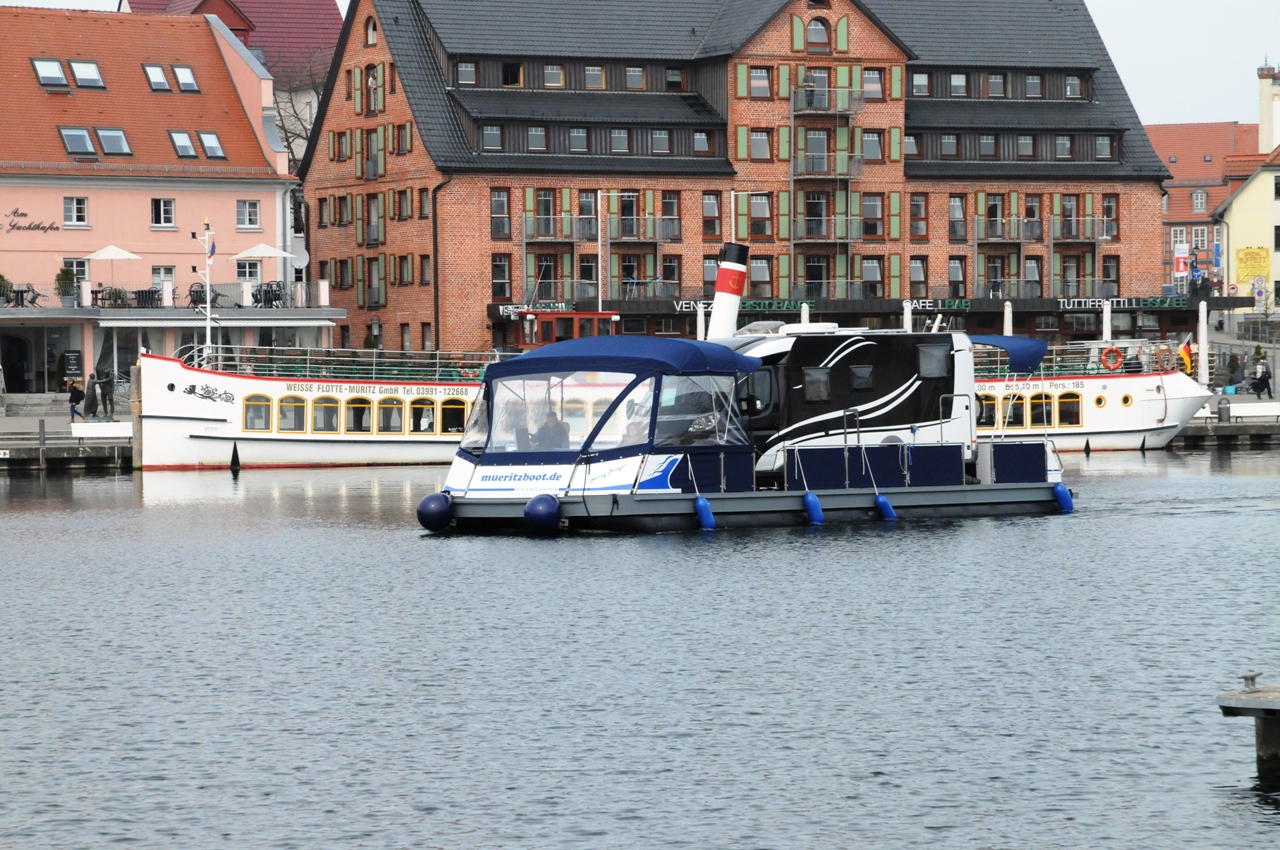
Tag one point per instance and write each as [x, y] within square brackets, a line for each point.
[1253, 269]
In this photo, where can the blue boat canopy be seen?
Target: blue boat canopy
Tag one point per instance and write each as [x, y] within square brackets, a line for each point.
[1024, 354]
[632, 354]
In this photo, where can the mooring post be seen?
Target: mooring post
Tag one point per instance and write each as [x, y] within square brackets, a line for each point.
[135, 408]
[1263, 705]
[42, 432]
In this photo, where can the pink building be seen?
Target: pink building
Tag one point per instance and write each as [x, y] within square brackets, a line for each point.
[133, 131]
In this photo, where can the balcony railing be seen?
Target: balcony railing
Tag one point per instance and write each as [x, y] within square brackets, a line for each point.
[948, 291]
[840, 228]
[1010, 289]
[273, 293]
[644, 228]
[828, 101]
[866, 290]
[648, 290]
[1086, 287]
[1014, 229]
[818, 165]
[812, 290]
[1083, 229]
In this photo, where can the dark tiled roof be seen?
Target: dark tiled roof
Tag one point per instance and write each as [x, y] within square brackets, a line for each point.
[587, 107]
[525, 162]
[952, 169]
[929, 114]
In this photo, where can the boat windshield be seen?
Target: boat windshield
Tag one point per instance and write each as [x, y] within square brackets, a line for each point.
[698, 410]
[552, 411]
[477, 432]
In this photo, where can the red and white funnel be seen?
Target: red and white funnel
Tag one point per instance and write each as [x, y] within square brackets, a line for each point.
[731, 282]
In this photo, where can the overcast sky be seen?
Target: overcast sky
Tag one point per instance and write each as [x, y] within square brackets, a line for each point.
[1181, 60]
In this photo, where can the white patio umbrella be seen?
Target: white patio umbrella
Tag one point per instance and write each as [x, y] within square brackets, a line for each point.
[261, 251]
[112, 253]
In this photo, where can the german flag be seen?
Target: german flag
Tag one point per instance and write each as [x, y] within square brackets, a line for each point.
[1185, 354]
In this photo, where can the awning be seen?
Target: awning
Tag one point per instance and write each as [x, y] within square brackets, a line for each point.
[1024, 354]
[198, 322]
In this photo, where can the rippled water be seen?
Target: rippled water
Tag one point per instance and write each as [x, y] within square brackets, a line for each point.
[287, 662]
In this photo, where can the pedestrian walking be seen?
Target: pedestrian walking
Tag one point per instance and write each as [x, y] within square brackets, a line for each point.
[77, 396]
[1262, 378]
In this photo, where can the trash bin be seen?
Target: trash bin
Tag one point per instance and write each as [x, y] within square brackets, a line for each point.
[1224, 409]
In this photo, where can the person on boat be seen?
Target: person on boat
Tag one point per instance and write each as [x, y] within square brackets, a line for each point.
[1262, 375]
[1133, 362]
[77, 396]
[553, 434]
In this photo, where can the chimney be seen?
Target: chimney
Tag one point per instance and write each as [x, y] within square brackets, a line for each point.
[1268, 104]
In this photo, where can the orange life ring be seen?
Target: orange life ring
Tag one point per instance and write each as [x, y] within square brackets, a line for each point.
[1164, 358]
[1112, 358]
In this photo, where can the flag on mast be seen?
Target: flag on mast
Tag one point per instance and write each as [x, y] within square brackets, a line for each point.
[213, 249]
[1185, 354]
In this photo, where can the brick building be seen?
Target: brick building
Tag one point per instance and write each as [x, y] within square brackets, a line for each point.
[868, 151]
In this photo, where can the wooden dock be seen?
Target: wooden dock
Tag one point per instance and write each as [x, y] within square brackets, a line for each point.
[61, 450]
[1226, 435]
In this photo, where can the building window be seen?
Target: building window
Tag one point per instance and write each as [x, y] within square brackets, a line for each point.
[919, 270]
[873, 277]
[595, 77]
[950, 146]
[635, 79]
[711, 214]
[872, 216]
[1178, 235]
[247, 214]
[1062, 147]
[701, 142]
[818, 36]
[1034, 87]
[959, 85]
[911, 146]
[512, 75]
[492, 138]
[162, 277]
[660, 141]
[322, 218]
[537, 138]
[424, 270]
[370, 32]
[1111, 216]
[675, 79]
[162, 211]
[873, 83]
[346, 75]
[88, 76]
[619, 141]
[501, 275]
[761, 149]
[401, 139]
[184, 75]
[1102, 147]
[404, 204]
[49, 72]
[710, 268]
[343, 146]
[212, 145]
[995, 85]
[553, 76]
[1199, 201]
[466, 73]
[182, 143]
[77, 141]
[248, 271]
[1026, 147]
[872, 149]
[761, 85]
[919, 216]
[957, 231]
[156, 78]
[344, 209]
[404, 270]
[761, 277]
[921, 85]
[578, 140]
[1073, 87]
[671, 269]
[1111, 269]
[499, 214]
[955, 276]
[761, 216]
[75, 211]
[987, 147]
[113, 142]
[1199, 238]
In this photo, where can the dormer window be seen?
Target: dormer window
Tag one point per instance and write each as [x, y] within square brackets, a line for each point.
[1073, 87]
[49, 72]
[537, 138]
[186, 78]
[675, 79]
[493, 137]
[512, 75]
[466, 73]
[1034, 88]
[995, 85]
[553, 76]
[595, 77]
[77, 141]
[818, 36]
[920, 85]
[87, 74]
[156, 77]
[635, 79]
[370, 32]
[1102, 145]
[959, 85]
[1199, 201]
[182, 143]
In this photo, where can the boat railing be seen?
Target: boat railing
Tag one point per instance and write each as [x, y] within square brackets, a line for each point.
[1136, 356]
[341, 364]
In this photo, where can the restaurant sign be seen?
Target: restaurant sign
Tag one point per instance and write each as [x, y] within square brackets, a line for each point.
[749, 306]
[16, 221]
[516, 311]
[1122, 303]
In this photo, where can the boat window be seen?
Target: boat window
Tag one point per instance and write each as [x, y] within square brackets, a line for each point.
[422, 416]
[359, 412]
[817, 384]
[477, 432]
[629, 424]
[860, 378]
[1069, 415]
[529, 410]
[257, 413]
[986, 411]
[453, 416]
[293, 413]
[324, 416]
[935, 361]
[762, 387]
[1014, 414]
[698, 411]
[390, 416]
[1042, 410]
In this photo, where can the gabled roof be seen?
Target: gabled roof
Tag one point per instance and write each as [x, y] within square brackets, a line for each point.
[1191, 143]
[119, 43]
[1270, 165]
[588, 107]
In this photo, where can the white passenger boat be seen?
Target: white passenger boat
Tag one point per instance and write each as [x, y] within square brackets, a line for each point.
[269, 407]
[1088, 396]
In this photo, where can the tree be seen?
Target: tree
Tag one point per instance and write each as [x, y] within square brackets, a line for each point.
[299, 86]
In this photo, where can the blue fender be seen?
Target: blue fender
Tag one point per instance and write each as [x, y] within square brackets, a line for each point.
[1063, 495]
[813, 508]
[435, 512]
[542, 513]
[705, 516]
[886, 510]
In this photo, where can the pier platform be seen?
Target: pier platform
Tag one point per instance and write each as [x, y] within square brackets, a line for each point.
[1254, 424]
[95, 445]
[1263, 705]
